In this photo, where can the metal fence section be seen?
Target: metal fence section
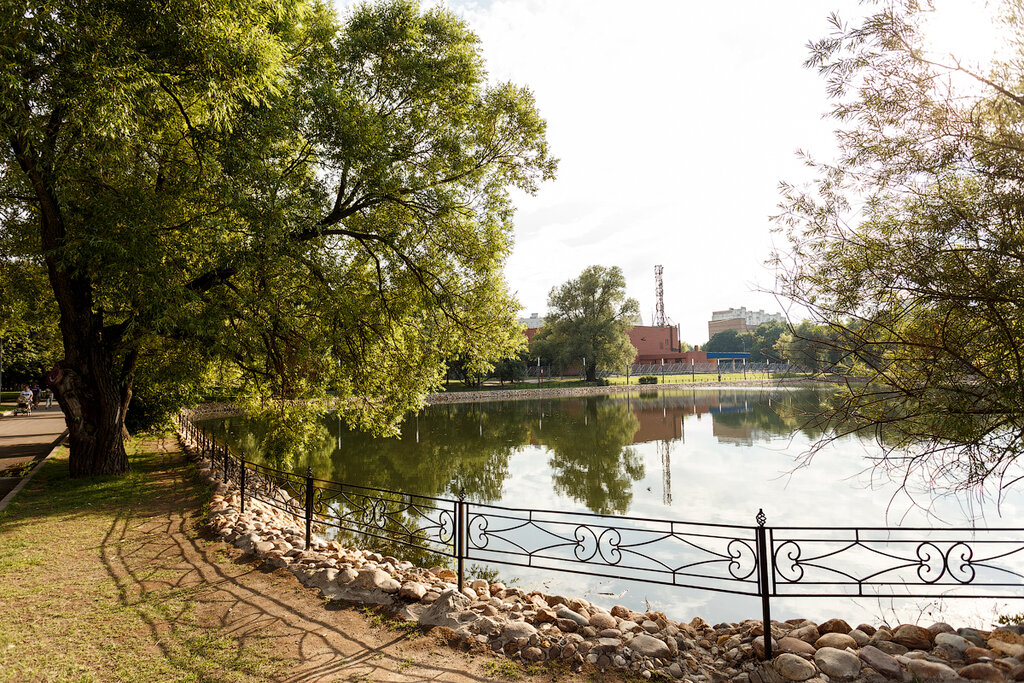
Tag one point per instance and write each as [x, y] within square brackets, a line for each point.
[757, 560]
[714, 557]
[896, 562]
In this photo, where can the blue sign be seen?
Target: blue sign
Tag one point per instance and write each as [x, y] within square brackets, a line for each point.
[738, 355]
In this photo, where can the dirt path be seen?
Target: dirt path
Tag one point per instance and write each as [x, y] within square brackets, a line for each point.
[145, 574]
[24, 439]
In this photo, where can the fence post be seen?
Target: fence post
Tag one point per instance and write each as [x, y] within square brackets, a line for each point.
[241, 483]
[460, 537]
[226, 456]
[762, 583]
[309, 504]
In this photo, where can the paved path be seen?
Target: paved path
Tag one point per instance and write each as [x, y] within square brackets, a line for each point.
[24, 438]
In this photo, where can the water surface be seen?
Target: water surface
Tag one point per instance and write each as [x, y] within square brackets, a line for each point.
[714, 456]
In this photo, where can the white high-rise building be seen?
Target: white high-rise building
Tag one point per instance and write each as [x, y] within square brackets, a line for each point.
[740, 319]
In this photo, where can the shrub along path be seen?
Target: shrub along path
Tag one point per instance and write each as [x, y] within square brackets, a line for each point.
[115, 579]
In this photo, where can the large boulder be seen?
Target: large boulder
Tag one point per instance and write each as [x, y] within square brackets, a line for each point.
[982, 672]
[952, 642]
[834, 626]
[930, 672]
[881, 662]
[517, 629]
[839, 641]
[445, 610]
[793, 667]
[913, 637]
[649, 646]
[796, 646]
[838, 664]
[808, 634]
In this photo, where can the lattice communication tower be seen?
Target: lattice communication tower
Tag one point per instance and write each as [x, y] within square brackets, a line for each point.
[659, 298]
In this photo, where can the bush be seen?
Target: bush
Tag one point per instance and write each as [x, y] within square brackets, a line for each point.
[648, 379]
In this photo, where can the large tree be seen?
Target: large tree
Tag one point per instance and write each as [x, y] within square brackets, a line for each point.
[589, 318]
[910, 247]
[319, 204]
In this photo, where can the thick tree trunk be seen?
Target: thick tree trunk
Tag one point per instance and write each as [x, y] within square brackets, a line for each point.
[592, 373]
[91, 386]
[94, 411]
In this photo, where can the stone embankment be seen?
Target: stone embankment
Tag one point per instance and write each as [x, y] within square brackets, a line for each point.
[205, 411]
[568, 392]
[535, 627]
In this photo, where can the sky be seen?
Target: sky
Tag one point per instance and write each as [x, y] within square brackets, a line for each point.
[674, 122]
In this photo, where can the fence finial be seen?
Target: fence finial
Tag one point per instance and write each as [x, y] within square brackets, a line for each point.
[462, 493]
[761, 519]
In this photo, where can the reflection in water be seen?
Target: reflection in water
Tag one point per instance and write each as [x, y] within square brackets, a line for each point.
[588, 444]
[706, 456]
[590, 459]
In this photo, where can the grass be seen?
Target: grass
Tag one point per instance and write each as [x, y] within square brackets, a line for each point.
[379, 619]
[18, 470]
[571, 383]
[82, 599]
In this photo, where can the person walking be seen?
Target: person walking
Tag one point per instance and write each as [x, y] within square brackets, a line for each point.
[35, 395]
[48, 397]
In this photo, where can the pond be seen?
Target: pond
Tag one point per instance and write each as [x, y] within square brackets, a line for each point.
[708, 456]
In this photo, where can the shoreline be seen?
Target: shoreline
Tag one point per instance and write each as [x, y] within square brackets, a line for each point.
[569, 392]
[535, 627]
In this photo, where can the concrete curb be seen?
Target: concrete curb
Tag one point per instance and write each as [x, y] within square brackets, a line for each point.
[24, 480]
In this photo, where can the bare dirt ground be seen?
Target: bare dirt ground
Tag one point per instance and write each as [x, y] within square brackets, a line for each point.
[134, 588]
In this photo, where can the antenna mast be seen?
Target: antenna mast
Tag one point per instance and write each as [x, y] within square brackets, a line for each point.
[659, 298]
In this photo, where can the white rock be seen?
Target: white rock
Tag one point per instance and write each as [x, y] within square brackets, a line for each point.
[840, 664]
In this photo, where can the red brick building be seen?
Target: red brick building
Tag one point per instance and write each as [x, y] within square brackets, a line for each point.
[653, 345]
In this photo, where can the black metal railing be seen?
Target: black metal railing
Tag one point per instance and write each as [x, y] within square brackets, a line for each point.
[758, 561]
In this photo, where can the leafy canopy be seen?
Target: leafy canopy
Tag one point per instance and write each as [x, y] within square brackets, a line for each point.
[318, 205]
[589, 317]
[909, 249]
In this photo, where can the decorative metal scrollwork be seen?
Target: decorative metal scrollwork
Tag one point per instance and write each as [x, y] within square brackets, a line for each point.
[790, 570]
[958, 562]
[932, 563]
[608, 545]
[478, 531]
[741, 553]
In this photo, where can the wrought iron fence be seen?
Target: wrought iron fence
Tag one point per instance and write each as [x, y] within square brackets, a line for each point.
[758, 560]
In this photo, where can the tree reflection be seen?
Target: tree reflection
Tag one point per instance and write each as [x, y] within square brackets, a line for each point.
[590, 459]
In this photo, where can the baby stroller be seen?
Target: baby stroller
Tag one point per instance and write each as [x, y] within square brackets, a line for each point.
[24, 406]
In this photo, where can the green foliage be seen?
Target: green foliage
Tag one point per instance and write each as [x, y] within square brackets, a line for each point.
[760, 343]
[908, 249]
[319, 204]
[589, 317]
[28, 323]
[818, 348]
[595, 466]
[648, 379]
[510, 370]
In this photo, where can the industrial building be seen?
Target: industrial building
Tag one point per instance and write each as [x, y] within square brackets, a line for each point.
[741, 320]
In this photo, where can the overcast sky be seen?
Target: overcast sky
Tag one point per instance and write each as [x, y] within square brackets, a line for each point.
[674, 122]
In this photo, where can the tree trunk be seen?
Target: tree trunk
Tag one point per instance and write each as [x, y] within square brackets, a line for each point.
[88, 384]
[94, 409]
[592, 373]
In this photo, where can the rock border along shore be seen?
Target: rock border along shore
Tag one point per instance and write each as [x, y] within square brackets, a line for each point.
[536, 627]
